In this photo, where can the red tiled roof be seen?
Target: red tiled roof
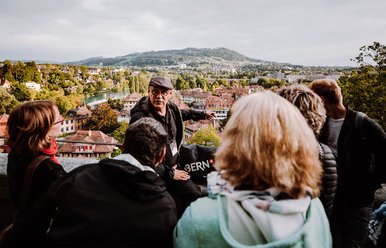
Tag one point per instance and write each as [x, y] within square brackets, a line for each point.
[83, 110]
[4, 119]
[134, 97]
[89, 136]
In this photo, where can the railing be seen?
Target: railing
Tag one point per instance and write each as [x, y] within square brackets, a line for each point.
[77, 142]
[88, 142]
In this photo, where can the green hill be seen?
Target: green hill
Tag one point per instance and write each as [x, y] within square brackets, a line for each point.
[189, 56]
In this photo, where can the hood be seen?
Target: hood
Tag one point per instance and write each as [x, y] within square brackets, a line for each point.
[257, 217]
[132, 179]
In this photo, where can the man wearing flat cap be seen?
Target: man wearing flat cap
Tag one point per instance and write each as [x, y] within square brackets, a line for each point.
[158, 106]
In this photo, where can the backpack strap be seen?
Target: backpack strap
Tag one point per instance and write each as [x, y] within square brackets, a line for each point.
[359, 123]
[27, 182]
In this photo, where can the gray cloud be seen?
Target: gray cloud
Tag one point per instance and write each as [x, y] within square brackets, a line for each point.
[318, 32]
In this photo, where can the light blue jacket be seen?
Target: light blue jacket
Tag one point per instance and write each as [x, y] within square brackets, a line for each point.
[205, 224]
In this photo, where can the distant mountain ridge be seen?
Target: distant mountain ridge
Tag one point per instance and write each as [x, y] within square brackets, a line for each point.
[189, 56]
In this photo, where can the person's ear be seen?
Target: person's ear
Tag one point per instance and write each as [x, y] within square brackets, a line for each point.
[162, 156]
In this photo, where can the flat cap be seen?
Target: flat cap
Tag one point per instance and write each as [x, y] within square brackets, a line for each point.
[163, 82]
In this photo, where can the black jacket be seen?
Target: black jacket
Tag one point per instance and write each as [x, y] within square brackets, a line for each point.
[113, 203]
[175, 128]
[361, 159]
[45, 174]
[329, 179]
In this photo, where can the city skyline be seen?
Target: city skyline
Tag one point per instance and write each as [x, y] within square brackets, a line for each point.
[319, 32]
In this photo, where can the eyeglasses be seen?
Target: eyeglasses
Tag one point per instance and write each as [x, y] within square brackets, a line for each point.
[156, 92]
[61, 122]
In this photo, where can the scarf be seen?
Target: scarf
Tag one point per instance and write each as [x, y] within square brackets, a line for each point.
[51, 151]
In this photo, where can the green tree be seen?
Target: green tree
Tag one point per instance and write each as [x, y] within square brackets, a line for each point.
[202, 83]
[116, 152]
[244, 82]
[365, 88]
[8, 101]
[268, 83]
[6, 71]
[115, 104]
[103, 118]
[182, 84]
[222, 82]
[21, 92]
[214, 86]
[205, 136]
[119, 133]
[63, 104]
[372, 55]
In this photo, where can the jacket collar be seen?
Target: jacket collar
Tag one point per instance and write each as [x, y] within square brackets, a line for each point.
[130, 159]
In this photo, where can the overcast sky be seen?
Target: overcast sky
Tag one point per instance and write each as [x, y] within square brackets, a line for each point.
[306, 32]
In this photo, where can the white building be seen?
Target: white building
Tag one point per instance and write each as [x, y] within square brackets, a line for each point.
[68, 126]
[32, 85]
[130, 100]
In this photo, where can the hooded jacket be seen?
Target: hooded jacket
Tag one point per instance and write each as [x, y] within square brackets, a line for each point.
[253, 219]
[118, 202]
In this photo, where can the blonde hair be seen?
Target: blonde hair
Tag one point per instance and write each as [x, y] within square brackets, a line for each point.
[28, 125]
[267, 143]
[309, 103]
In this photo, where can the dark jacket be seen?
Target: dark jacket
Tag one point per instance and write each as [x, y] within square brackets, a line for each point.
[361, 159]
[329, 179]
[113, 203]
[45, 174]
[143, 108]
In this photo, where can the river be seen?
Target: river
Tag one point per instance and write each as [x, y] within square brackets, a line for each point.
[106, 95]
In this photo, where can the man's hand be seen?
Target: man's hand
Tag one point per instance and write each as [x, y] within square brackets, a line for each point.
[210, 115]
[180, 174]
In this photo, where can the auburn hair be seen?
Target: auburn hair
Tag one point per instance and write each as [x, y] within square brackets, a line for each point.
[267, 143]
[328, 89]
[28, 125]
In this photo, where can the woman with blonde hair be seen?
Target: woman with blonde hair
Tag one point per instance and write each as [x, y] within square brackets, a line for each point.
[312, 108]
[266, 191]
[32, 128]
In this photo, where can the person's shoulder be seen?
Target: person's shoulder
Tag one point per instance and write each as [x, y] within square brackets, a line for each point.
[140, 106]
[204, 209]
[173, 106]
[326, 152]
[317, 225]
